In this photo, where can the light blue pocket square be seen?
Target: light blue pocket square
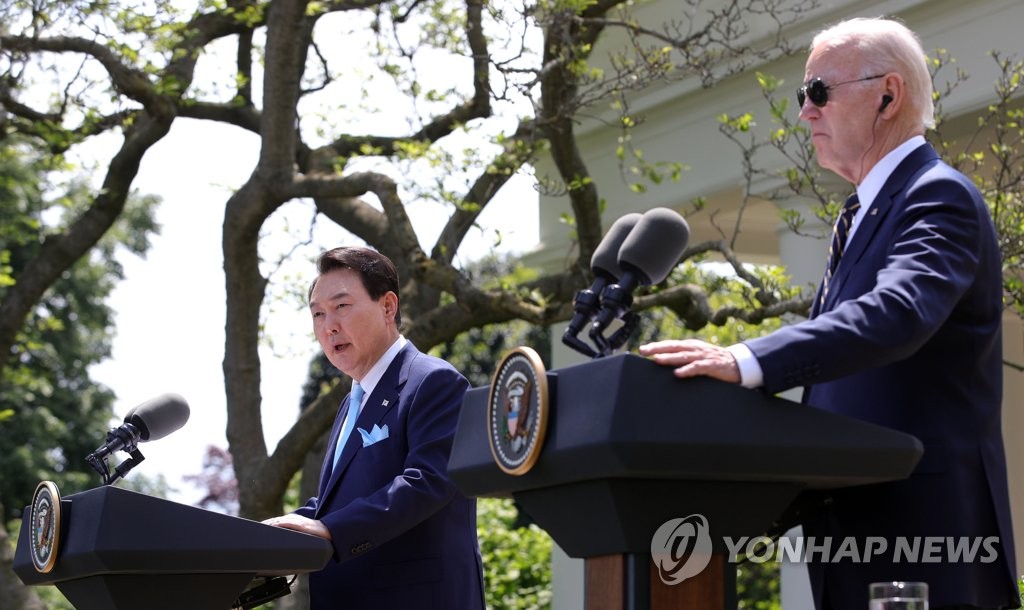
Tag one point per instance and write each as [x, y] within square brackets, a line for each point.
[373, 436]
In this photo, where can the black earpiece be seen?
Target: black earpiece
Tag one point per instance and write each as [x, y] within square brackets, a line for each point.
[886, 100]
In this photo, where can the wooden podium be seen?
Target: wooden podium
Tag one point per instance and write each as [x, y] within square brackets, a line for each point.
[121, 549]
[629, 447]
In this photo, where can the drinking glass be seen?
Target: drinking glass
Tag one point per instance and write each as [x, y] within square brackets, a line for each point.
[898, 595]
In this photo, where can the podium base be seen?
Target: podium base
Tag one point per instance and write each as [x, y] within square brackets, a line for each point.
[629, 581]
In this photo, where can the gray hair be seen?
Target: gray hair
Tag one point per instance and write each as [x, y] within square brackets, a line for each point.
[887, 45]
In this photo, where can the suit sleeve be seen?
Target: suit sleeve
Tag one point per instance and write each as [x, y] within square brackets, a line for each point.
[309, 508]
[902, 291]
[423, 487]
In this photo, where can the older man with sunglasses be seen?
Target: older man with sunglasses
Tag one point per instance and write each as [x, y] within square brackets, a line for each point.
[905, 332]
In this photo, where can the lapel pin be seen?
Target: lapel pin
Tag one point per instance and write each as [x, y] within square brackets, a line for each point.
[384, 403]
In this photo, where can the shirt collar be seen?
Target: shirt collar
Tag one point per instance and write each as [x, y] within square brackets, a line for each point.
[373, 377]
[872, 184]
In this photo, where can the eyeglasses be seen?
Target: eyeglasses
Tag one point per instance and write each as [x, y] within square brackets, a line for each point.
[817, 91]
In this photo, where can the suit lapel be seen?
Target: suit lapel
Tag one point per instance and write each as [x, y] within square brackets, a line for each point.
[880, 208]
[865, 233]
[376, 406]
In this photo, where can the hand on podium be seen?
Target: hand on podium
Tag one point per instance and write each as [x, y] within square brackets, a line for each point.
[692, 358]
[300, 524]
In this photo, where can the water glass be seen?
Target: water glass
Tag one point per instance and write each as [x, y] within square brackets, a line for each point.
[898, 596]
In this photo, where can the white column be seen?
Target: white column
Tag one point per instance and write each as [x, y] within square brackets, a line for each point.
[1013, 423]
[804, 259]
[567, 580]
[804, 256]
[567, 573]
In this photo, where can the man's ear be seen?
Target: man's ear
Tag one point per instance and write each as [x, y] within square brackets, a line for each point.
[892, 90]
[390, 301]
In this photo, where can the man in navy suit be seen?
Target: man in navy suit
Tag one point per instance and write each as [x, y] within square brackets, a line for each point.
[905, 331]
[403, 536]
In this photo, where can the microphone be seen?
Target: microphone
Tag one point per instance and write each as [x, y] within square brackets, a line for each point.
[605, 266]
[647, 256]
[152, 420]
[158, 417]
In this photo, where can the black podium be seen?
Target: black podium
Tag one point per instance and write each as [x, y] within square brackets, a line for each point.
[629, 447]
[121, 549]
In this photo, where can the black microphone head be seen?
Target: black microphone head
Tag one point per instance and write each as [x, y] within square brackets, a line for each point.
[158, 417]
[654, 246]
[605, 261]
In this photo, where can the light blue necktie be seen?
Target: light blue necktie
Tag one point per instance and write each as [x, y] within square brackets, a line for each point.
[354, 401]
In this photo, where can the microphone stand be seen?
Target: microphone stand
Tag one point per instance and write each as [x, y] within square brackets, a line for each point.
[98, 458]
[615, 300]
[584, 306]
[574, 342]
[608, 346]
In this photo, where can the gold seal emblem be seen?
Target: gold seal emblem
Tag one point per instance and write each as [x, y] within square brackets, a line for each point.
[45, 526]
[517, 411]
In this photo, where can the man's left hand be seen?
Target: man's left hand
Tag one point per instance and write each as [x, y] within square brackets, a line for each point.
[694, 358]
[300, 524]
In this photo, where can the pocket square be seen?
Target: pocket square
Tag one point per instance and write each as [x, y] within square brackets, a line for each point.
[376, 435]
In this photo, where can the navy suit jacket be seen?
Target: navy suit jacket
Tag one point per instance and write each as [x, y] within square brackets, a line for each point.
[909, 337]
[403, 536]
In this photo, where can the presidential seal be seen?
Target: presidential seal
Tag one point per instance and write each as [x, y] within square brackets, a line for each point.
[517, 411]
[45, 526]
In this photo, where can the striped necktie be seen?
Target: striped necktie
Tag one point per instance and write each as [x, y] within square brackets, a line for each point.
[354, 401]
[840, 233]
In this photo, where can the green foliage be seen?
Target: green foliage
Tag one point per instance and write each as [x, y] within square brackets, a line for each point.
[54, 414]
[53, 599]
[292, 496]
[757, 586]
[476, 352]
[641, 173]
[742, 122]
[517, 560]
[726, 293]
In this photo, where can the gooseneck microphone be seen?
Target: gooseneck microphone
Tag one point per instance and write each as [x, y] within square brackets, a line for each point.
[150, 421]
[605, 266]
[647, 256]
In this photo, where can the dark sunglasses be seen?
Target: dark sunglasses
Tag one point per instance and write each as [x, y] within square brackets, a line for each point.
[817, 91]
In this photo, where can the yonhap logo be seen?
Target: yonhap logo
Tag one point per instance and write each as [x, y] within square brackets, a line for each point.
[681, 548]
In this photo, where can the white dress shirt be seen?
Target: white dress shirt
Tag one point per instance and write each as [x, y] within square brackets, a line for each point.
[751, 375]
